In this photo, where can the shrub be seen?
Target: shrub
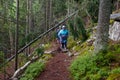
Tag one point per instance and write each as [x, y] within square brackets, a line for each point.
[71, 42]
[40, 51]
[91, 67]
[116, 71]
[33, 71]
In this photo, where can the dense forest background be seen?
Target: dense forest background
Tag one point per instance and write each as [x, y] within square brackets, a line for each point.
[22, 21]
[35, 17]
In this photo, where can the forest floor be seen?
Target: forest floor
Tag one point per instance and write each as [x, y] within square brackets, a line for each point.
[57, 67]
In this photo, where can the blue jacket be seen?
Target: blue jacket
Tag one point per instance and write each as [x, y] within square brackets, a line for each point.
[63, 35]
[58, 30]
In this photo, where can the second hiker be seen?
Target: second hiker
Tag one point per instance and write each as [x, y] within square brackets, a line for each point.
[63, 35]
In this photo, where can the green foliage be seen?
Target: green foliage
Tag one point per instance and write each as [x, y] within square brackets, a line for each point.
[114, 48]
[89, 8]
[77, 29]
[71, 42]
[33, 71]
[59, 7]
[46, 46]
[83, 48]
[45, 57]
[81, 66]
[40, 51]
[114, 74]
[1, 55]
[72, 29]
[115, 71]
[93, 7]
[81, 28]
[114, 77]
[1, 58]
[111, 21]
[90, 66]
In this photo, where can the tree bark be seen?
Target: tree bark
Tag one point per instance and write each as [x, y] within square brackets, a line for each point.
[31, 28]
[102, 35]
[27, 28]
[16, 35]
[48, 16]
[11, 42]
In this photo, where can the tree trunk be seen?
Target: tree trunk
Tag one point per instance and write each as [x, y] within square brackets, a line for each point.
[30, 23]
[11, 42]
[31, 28]
[68, 6]
[46, 26]
[48, 16]
[102, 35]
[27, 28]
[16, 35]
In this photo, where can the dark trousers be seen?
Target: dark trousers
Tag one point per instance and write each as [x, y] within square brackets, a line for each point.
[64, 45]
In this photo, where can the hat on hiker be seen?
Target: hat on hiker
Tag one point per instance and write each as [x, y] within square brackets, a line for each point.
[63, 26]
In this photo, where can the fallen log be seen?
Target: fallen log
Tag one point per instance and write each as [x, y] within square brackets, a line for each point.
[115, 17]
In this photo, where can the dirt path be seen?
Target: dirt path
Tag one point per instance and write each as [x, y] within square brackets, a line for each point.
[56, 68]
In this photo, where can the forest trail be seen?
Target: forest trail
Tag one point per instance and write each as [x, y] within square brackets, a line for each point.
[57, 67]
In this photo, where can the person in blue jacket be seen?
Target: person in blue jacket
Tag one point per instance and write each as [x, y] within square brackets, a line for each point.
[57, 37]
[63, 36]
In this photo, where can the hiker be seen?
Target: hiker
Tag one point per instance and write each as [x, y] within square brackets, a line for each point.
[57, 37]
[63, 35]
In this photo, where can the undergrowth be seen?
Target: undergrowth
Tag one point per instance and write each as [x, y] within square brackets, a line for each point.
[103, 66]
[33, 71]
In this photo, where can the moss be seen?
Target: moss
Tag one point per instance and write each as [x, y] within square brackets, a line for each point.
[111, 21]
[93, 77]
[116, 71]
[46, 46]
[94, 67]
[46, 57]
[114, 77]
[84, 48]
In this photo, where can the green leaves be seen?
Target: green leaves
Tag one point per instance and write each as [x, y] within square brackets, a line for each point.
[97, 67]
[33, 71]
[77, 29]
[59, 7]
